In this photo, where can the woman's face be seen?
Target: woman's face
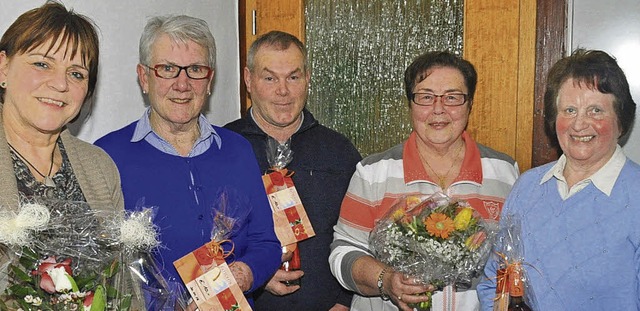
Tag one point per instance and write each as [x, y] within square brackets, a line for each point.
[44, 91]
[587, 125]
[437, 125]
[177, 101]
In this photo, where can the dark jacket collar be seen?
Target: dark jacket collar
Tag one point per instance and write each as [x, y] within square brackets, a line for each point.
[252, 128]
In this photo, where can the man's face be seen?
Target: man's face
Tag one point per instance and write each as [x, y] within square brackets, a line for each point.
[278, 86]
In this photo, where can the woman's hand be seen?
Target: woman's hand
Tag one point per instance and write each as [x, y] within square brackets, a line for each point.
[401, 289]
[243, 275]
[404, 290]
[191, 307]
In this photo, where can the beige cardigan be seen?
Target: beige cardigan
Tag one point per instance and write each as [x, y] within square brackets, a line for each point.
[96, 172]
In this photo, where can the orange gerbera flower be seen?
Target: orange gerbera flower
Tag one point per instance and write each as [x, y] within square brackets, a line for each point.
[439, 225]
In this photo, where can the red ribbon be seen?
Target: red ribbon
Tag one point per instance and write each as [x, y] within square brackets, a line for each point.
[280, 178]
[211, 251]
[505, 276]
[285, 172]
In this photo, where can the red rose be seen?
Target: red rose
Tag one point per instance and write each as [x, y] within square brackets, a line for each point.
[46, 283]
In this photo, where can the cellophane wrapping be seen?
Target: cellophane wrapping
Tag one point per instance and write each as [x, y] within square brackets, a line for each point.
[63, 255]
[509, 253]
[434, 238]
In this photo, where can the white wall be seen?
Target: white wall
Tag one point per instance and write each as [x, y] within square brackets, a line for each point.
[118, 100]
[612, 26]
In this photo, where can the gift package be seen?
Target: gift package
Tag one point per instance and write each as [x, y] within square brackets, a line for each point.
[291, 222]
[204, 271]
[209, 280]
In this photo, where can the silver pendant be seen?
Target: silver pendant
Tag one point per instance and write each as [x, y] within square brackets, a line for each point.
[48, 181]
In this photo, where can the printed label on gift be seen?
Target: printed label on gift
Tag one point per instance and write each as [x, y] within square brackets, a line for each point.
[210, 281]
[284, 199]
[289, 217]
[194, 291]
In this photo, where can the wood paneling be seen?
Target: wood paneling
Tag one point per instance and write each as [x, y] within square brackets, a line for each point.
[499, 39]
[550, 47]
[526, 83]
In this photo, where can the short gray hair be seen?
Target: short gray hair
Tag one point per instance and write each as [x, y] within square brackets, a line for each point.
[180, 28]
[279, 40]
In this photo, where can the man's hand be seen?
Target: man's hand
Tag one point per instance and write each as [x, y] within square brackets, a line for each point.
[275, 285]
[243, 275]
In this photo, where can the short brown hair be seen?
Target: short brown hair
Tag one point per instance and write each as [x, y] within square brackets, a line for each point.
[596, 70]
[50, 22]
[421, 67]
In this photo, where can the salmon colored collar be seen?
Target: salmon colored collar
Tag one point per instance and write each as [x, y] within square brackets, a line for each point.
[471, 170]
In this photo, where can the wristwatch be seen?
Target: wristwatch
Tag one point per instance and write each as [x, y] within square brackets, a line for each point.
[380, 276]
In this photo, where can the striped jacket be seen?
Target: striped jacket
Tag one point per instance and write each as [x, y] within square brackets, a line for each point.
[485, 179]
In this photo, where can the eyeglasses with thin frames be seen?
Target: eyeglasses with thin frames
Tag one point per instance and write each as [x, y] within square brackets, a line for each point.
[170, 71]
[447, 99]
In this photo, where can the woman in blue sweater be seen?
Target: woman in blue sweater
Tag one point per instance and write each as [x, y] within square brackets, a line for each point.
[173, 158]
[579, 215]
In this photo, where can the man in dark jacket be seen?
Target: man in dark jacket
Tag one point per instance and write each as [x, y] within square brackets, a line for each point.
[277, 77]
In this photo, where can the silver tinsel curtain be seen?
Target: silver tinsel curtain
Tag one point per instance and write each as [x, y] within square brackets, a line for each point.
[359, 50]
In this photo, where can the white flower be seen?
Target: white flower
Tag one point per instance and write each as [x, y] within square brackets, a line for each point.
[28, 299]
[60, 279]
[37, 301]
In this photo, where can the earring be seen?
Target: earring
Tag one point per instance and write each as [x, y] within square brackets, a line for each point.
[3, 84]
[208, 93]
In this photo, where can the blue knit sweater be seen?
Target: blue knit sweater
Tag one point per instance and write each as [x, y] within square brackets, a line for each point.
[582, 253]
[187, 191]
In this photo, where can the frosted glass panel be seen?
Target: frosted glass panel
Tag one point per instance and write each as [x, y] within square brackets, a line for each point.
[359, 50]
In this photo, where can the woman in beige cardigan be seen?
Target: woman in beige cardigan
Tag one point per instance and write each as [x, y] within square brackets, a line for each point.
[48, 68]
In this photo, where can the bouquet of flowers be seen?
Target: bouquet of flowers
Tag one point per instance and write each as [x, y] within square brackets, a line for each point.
[63, 255]
[433, 238]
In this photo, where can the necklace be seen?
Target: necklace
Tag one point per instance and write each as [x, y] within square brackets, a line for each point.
[442, 179]
[48, 181]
